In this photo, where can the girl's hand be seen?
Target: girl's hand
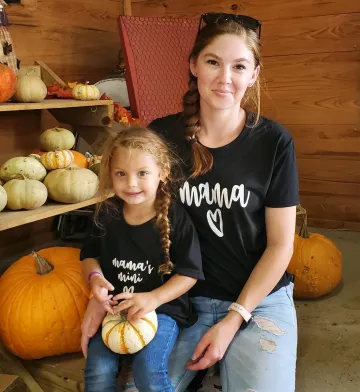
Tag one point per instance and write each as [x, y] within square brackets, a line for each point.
[136, 305]
[93, 317]
[214, 343]
[100, 288]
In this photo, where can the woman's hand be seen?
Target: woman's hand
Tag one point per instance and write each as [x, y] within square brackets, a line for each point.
[136, 305]
[93, 317]
[214, 343]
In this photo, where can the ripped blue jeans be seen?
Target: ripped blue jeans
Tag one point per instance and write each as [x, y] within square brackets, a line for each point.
[261, 358]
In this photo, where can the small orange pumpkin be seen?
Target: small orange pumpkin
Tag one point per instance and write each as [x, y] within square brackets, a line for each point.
[57, 159]
[316, 262]
[8, 83]
[80, 160]
[43, 298]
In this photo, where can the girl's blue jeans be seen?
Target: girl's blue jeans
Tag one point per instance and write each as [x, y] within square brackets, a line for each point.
[149, 365]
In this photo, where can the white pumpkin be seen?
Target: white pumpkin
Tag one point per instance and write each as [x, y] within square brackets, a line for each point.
[3, 198]
[30, 88]
[86, 92]
[71, 185]
[124, 337]
[29, 167]
[57, 139]
[25, 194]
[36, 156]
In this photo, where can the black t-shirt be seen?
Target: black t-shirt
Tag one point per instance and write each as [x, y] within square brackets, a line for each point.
[130, 255]
[227, 205]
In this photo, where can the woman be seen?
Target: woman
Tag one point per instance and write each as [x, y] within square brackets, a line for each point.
[241, 193]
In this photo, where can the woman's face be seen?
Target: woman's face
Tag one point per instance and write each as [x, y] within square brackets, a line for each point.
[224, 70]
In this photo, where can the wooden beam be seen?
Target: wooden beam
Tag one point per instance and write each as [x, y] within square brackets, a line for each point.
[48, 76]
[11, 383]
[9, 363]
[127, 7]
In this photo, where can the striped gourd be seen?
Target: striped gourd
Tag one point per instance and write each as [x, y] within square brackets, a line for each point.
[57, 159]
[125, 337]
[86, 92]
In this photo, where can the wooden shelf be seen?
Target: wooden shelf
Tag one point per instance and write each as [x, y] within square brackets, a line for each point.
[52, 104]
[9, 219]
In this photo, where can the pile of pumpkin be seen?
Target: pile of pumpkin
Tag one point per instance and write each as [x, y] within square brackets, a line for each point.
[55, 172]
[31, 88]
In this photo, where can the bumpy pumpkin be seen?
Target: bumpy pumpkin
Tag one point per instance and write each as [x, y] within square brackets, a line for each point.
[57, 159]
[86, 92]
[316, 263]
[94, 162]
[30, 88]
[93, 159]
[29, 167]
[124, 337]
[3, 198]
[57, 139]
[71, 185]
[43, 298]
[7, 83]
[26, 194]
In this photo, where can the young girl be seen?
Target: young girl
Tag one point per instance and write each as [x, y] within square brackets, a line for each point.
[140, 226]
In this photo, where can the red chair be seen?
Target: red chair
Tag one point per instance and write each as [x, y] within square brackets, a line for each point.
[156, 51]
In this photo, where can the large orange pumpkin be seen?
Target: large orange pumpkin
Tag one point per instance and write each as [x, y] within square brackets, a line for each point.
[8, 83]
[43, 298]
[316, 262]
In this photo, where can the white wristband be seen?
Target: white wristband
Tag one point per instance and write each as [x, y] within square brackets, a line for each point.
[241, 310]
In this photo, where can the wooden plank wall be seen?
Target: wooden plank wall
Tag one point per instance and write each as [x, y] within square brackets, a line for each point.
[311, 56]
[79, 40]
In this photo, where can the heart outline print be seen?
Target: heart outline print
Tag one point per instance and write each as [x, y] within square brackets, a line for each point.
[128, 289]
[214, 217]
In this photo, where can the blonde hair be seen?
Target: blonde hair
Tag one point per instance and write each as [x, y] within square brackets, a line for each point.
[202, 158]
[139, 137]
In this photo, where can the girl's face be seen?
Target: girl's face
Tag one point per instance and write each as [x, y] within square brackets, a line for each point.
[135, 176]
[224, 70]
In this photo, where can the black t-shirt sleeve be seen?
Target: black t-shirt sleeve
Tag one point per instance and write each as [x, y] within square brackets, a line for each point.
[283, 190]
[185, 247]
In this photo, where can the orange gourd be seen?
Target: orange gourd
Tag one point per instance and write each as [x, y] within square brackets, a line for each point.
[43, 298]
[316, 262]
[8, 83]
[80, 160]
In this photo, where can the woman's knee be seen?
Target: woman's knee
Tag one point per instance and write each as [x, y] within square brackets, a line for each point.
[262, 357]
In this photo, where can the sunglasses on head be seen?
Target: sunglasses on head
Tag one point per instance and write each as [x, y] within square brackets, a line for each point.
[219, 17]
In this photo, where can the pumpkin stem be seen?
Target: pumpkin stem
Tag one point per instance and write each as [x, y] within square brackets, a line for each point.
[43, 266]
[304, 233]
